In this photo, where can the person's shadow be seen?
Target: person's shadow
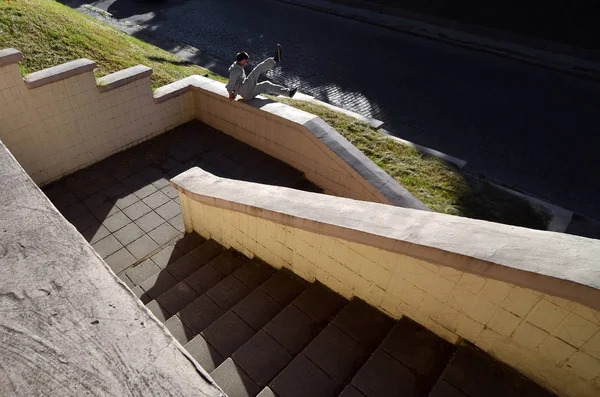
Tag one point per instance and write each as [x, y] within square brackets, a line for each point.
[122, 9]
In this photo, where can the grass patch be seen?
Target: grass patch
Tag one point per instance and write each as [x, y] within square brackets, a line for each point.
[440, 186]
[49, 34]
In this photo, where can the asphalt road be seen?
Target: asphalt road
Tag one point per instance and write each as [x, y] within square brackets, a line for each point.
[535, 129]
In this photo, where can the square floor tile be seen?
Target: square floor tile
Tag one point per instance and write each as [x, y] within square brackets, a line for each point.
[292, 328]
[166, 256]
[158, 283]
[120, 260]
[177, 297]
[257, 309]
[136, 210]
[177, 223]
[145, 191]
[159, 312]
[179, 330]
[106, 246]
[129, 234]
[156, 199]
[284, 286]
[142, 247]
[363, 322]
[138, 274]
[320, 303]
[169, 210]
[116, 222]
[384, 376]
[149, 221]
[204, 278]
[163, 234]
[183, 266]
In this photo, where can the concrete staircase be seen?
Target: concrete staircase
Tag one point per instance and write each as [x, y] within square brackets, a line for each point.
[265, 332]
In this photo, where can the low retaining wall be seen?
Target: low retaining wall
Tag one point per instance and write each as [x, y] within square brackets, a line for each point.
[68, 325]
[529, 298]
[61, 119]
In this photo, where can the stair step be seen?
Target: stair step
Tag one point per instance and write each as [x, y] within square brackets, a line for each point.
[477, 374]
[267, 392]
[233, 380]
[336, 353]
[179, 330]
[274, 346]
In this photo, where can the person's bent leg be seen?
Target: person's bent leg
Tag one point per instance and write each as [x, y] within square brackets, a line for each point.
[264, 66]
[266, 87]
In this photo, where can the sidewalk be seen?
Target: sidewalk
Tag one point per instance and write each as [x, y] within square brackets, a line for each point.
[575, 61]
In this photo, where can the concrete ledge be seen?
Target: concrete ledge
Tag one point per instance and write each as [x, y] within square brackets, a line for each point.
[60, 72]
[69, 326]
[557, 264]
[122, 77]
[10, 56]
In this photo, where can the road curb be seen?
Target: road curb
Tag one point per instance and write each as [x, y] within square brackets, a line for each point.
[547, 59]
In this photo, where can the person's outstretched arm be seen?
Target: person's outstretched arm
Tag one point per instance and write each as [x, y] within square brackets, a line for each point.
[234, 83]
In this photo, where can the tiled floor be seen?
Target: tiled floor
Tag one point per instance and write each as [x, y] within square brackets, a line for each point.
[126, 208]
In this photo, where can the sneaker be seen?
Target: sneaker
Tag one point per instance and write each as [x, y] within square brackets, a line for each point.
[293, 92]
[277, 55]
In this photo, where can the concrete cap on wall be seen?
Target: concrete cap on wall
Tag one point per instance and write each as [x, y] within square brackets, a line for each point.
[59, 72]
[122, 77]
[10, 56]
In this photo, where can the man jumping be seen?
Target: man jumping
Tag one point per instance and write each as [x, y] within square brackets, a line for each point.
[249, 87]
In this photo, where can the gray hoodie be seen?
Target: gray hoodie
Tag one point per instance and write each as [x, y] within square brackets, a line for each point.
[237, 75]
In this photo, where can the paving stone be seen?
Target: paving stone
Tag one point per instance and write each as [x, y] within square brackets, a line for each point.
[284, 286]
[61, 197]
[183, 266]
[126, 201]
[94, 235]
[364, 323]
[161, 183]
[177, 223]
[320, 303]
[179, 330]
[228, 292]
[95, 200]
[120, 260]
[303, 378]
[204, 353]
[129, 234]
[336, 353]
[156, 199]
[107, 246]
[445, 389]
[159, 312]
[115, 190]
[267, 392]
[292, 328]
[384, 376]
[262, 357]
[418, 348]
[116, 222]
[141, 294]
[204, 278]
[136, 210]
[233, 381]
[145, 191]
[199, 314]
[85, 222]
[176, 200]
[105, 210]
[228, 262]
[477, 374]
[253, 273]
[170, 191]
[169, 210]
[166, 256]
[158, 284]
[189, 242]
[74, 211]
[149, 221]
[257, 309]
[150, 174]
[126, 280]
[142, 247]
[227, 333]
[351, 391]
[207, 251]
[138, 274]
[164, 234]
